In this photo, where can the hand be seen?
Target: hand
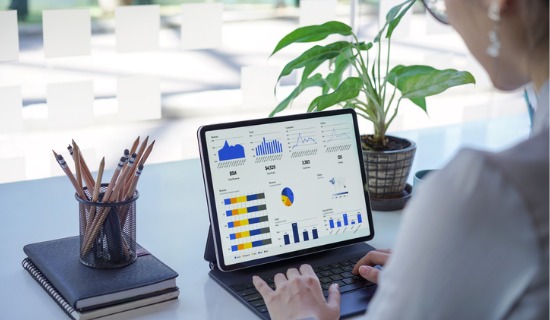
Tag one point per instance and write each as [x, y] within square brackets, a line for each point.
[365, 266]
[298, 295]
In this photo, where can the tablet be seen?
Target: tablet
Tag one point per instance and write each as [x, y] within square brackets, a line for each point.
[284, 187]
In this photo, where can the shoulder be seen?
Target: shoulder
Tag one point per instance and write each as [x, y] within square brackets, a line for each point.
[522, 170]
[463, 227]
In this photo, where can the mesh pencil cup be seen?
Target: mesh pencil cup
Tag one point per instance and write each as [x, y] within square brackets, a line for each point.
[107, 231]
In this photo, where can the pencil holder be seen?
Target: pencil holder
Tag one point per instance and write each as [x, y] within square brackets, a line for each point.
[107, 231]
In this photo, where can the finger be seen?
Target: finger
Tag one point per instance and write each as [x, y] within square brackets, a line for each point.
[369, 273]
[306, 269]
[292, 273]
[372, 258]
[262, 287]
[334, 297]
[279, 279]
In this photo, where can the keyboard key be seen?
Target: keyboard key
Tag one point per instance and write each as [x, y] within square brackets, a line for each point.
[348, 281]
[347, 274]
[247, 292]
[258, 303]
[355, 260]
[262, 309]
[348, 268]
[340, 283]
[326, 273]
[325, 285]
[334, 265]
[337, 270]
[336, 277]
[324, 268]
[253, 297]
[325, 280]
[238, 287]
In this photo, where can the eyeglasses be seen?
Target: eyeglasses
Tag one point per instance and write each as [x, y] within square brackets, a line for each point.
[437, 9]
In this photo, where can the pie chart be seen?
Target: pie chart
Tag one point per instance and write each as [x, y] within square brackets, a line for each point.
[287, 196]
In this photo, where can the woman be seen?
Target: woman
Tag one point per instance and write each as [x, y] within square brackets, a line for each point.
[473, 242]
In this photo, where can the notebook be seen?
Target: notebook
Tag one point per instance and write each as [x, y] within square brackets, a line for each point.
[94, 313]
[84, 288]
[285, 191]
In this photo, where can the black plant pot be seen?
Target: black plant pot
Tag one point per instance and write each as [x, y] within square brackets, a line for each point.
[387, 173]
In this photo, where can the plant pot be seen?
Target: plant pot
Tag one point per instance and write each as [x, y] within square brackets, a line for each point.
[387, 172]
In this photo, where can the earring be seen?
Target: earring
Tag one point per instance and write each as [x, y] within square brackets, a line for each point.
[494, 39]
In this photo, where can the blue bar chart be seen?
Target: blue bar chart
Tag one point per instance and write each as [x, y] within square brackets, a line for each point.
[306, 235]
[269, 147]
[344, 220]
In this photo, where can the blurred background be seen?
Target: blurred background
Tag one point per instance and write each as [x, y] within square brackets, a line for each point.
[162, 68]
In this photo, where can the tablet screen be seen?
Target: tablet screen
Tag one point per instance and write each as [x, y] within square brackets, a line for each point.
[286, 186]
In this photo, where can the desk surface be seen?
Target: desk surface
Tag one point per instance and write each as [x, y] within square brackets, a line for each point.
[173, 222]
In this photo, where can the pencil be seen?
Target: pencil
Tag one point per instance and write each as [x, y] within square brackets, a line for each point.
[134, 146]
[69, 174]
[147, 153]
[86, 174]
[77, 169]
[130, 193]
[100, 218]
[126, 175]
[138, 157]
[97, 189]
[114, 178]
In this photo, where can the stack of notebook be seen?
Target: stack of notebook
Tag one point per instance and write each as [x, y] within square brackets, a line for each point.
[88, 293]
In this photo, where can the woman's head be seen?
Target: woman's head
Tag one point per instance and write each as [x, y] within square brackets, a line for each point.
[521, 28]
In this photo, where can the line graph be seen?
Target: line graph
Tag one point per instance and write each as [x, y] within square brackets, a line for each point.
[303, 141]
[337, 137]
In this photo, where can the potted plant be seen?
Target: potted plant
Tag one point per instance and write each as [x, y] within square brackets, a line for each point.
[374, 90]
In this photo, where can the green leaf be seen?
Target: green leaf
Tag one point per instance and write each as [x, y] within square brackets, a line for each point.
[393, 17]
[315, 81]
[421, 102]
[341, 64]
[393, 23]
[348, 89]
[365, 46]
[314, 57]
[310, 67]
[313, 33]
[417, 82]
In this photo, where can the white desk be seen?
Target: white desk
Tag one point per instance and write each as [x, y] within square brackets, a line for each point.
[173, 222]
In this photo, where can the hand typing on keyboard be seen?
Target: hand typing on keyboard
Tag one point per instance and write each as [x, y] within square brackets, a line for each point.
[298, 295]
[370, 265]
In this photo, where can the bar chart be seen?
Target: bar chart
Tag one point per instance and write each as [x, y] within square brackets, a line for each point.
[250, 245]
[269, 147]
[248, 225]
[306, 234]
[245, 209]
[344, 220]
